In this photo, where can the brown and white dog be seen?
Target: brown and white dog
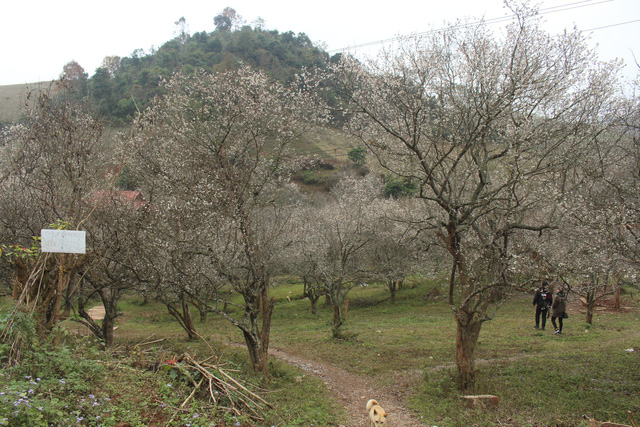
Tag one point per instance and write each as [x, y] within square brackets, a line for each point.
[377, 415]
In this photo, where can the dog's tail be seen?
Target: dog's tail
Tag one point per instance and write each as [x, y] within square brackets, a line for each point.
[370, 404]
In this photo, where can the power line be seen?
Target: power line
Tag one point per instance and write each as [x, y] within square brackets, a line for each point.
[613, 25]
[544, 11]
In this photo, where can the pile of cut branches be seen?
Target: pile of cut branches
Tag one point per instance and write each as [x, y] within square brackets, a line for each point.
[226, 392]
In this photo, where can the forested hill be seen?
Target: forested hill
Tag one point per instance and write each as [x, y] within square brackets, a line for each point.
[121, 85]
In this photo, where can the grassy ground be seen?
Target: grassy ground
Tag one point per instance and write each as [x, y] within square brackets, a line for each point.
[541, 379]
[13, 98]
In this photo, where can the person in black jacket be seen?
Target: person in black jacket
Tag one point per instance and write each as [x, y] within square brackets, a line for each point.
[558, 311]
[542, 300]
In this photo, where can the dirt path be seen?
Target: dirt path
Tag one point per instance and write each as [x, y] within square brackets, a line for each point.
[353, 391]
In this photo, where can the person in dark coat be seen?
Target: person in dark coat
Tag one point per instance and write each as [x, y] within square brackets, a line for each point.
[542, 302]
[558, 311]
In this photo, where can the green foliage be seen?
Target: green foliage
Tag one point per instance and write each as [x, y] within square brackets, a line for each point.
[23, 252]
[60, 225]
[49, 385]
[127, 180]
[396, 187]
[358, 155]
[136, 82]
[79, 384]
[35, 401]
[17, 336]
[309, 177]
[31, 251]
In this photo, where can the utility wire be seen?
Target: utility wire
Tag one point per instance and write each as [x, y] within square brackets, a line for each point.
[543, 11]
[613, 25]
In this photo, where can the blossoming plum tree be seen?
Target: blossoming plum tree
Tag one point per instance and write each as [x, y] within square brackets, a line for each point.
[214, 160]
[483, 124]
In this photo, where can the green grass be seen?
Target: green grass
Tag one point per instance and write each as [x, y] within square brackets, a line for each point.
[584, 371]
[541, 379]
[541, 390]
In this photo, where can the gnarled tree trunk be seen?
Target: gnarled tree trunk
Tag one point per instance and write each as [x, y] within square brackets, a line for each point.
[311, 292]
[256, 336]
[337, 302]
[467, 335]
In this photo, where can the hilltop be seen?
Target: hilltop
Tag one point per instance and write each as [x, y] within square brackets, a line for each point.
[124, 84]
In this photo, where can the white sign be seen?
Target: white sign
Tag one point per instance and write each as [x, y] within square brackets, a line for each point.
[63, 241]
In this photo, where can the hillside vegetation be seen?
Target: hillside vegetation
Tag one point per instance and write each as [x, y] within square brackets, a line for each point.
[121, 86]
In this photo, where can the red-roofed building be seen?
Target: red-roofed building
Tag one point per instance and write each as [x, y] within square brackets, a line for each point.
[133, 198]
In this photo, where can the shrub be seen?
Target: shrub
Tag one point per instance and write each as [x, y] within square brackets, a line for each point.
[309, 177]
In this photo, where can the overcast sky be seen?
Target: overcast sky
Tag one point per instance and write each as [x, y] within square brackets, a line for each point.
[40, 36]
